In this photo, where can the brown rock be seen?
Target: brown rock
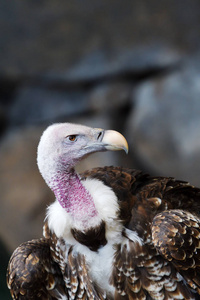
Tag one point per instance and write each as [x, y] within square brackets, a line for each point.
[24, 194]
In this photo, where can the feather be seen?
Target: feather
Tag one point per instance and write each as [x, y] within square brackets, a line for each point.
[32, 273]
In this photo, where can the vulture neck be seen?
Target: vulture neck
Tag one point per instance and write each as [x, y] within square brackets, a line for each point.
[74, 197]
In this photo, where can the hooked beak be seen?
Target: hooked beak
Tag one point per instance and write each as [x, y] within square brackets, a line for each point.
[114, 141]
[102, 140]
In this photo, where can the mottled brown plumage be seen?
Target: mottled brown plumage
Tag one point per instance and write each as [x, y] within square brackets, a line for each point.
[155, 220]
[79, 284]
[168, 264]
[32, 274]
[112, 233]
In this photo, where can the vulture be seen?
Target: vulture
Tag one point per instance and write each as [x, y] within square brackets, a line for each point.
[112, 232]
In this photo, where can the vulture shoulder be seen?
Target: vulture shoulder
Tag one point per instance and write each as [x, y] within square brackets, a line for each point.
[176, 236]
[32, 274]
[165, 214]
[35, 271]
[141, 196]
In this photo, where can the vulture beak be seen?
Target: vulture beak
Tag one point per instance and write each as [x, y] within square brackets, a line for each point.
[114, 141]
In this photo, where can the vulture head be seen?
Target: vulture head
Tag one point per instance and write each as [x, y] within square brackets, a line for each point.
[63, 145]
[60, 148]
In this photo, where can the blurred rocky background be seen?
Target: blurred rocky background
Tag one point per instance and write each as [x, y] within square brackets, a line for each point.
[132, 66]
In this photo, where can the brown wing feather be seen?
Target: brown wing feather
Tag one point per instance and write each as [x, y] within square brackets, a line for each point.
[141, 271]
[176, 235]
[32, 274]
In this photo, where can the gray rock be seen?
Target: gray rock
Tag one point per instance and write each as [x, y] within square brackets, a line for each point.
[43, 36]
[34, 105]
[99, 65]
[164, 124]
[109, 97]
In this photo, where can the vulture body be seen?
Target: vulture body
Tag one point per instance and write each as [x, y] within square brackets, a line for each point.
[112, 232]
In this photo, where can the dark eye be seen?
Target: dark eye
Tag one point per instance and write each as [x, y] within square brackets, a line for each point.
[71, 138]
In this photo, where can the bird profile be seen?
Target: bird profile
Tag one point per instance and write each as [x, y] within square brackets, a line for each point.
[112, 232]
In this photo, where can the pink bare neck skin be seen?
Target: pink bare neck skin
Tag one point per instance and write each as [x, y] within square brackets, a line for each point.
[73, 196]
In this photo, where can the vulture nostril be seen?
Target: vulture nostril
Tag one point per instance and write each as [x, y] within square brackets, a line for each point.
[99, 135]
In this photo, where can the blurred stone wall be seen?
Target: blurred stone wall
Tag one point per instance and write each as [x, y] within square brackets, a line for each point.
[132, 66]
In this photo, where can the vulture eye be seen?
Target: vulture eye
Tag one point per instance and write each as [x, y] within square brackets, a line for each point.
[71, 138]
